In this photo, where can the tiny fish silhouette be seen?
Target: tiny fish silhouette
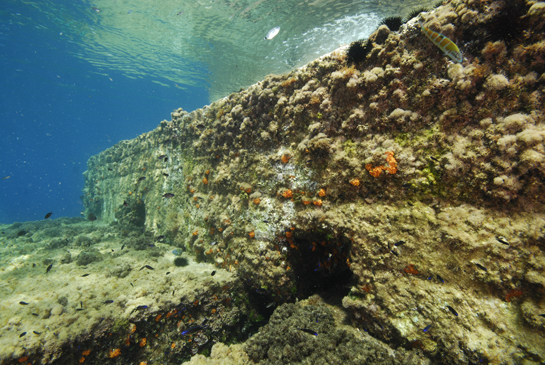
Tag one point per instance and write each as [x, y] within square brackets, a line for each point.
[192, 330]
[452, 310]
[503, 240]
[308, 331]
[272, 33]
[48, 215]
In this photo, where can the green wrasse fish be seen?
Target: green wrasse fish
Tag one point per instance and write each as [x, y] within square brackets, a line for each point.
[447, 46]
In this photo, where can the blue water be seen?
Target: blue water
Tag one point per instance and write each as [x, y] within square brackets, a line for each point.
[78, 76]
[57, 110]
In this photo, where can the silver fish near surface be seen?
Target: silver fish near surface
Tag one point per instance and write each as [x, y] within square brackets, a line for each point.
[272, 33]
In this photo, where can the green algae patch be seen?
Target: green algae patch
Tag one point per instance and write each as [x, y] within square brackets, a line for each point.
[349, 147]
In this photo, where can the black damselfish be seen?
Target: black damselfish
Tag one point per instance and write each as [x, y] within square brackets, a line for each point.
[308, 331]
[192, 330]
[452, 310]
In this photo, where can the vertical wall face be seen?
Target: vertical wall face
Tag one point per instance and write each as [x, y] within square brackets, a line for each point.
[413, 182]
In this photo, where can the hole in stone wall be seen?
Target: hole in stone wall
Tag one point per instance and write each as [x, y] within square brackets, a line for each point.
[133, 214]
[320, 262]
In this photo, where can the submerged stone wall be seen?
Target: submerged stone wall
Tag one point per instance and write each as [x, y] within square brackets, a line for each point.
[415, 183]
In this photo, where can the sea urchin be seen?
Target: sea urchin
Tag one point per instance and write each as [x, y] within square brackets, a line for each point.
[393, 23]
[358, 51]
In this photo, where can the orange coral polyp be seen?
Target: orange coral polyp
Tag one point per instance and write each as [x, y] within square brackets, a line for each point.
[257, 201]
[410, 269]
[142, 342]
[321, 192]
[114, 353]
[251, 234]
[391, 168]
[205, 181]
[285, 158]
[287, 194]
[355, 182]
[375, 172]
[318, 202]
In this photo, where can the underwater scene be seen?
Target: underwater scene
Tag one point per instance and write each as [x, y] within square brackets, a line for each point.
[363, 182]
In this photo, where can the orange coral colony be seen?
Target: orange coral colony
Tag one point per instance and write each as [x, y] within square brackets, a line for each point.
[318, 202]
[257, 201]
[114, 353]
[355, 182]
[321, 192]
[285, 158]
[287, 194]
[515, 293]
[205, 181]
[251, 234]
[87, 352]
[391, 168]
[142, 342]
[410, 269]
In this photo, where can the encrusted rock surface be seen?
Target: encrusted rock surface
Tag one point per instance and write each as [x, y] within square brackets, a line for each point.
[416, 182]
